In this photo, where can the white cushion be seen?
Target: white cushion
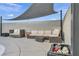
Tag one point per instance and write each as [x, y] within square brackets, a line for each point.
[40, 32]
[47, 32]
[34, 32]
[16, 31]
[56, 32]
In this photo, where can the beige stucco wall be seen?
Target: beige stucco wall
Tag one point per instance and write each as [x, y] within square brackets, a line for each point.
[32, 25]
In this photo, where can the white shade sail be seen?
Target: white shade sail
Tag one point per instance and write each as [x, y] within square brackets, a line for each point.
[37, 10]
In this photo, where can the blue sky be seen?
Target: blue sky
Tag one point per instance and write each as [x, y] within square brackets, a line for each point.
[12, 10]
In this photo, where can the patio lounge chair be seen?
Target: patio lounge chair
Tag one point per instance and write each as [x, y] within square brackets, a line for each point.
[17, 33]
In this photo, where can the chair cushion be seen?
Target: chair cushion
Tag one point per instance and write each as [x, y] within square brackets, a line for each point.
[47, 32]
[34, 32]
[56, 32]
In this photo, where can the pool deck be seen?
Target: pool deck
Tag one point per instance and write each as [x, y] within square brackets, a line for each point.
[24, 47]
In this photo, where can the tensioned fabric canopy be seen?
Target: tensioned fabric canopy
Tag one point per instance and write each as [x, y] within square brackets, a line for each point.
[37, 10]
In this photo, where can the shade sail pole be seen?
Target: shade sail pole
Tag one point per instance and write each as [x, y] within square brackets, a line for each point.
[0, 25]
[61, 25]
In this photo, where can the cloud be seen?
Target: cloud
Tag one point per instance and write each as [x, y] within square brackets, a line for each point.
[11, 15]
[10, 7]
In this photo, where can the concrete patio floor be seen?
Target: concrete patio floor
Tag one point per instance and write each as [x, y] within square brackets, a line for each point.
[24, 47]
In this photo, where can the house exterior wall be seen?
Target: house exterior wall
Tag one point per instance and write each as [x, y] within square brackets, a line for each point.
[75, 29]
[67, 27]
